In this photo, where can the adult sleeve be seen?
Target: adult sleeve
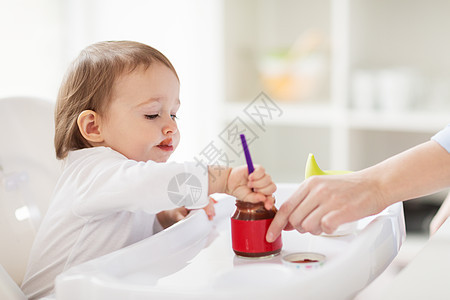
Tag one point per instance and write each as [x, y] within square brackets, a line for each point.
[157, 227]
[443, 138]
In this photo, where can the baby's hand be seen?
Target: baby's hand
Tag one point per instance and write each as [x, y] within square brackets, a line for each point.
[209, 209]
[258, 187]
[169, 217]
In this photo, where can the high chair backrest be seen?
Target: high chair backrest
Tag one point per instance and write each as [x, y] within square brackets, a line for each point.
[8, 288]
[28, 173]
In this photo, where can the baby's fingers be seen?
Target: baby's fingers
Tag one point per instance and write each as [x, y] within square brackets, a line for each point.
[265, 180]
[254, 197]
[267, 190]
[268, 201]
[209, 209]
[257, 174]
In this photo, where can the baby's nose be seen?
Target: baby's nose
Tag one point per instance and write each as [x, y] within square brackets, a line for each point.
[170, 126]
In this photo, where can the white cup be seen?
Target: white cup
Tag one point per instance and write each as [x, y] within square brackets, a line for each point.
[364, 89]
[397, 89]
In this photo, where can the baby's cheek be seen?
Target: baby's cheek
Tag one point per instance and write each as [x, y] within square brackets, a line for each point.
[176, 140]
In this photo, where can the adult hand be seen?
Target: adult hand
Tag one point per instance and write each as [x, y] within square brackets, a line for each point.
[322, 203]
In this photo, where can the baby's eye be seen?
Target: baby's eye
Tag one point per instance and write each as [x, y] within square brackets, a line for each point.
[151, 117]
[174, 117]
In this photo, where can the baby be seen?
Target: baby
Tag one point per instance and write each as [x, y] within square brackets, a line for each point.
[115, 127]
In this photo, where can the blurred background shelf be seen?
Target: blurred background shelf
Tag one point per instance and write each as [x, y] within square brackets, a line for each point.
[357, 81]
[420, 122]
[292, 114]
[323, 114]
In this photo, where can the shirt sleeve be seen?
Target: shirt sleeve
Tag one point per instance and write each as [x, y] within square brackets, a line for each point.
[443, 138]
[106, 181]
[157, 227]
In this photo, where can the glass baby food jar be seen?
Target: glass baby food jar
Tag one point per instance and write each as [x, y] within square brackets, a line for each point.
[249, 226]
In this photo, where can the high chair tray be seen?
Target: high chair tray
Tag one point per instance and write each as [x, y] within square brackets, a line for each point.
[194, 260]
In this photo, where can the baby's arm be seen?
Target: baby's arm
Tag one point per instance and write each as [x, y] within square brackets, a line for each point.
[106, 182]
[167, 218]
[258, 187]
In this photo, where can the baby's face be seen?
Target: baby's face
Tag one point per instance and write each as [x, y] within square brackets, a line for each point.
[140, 120]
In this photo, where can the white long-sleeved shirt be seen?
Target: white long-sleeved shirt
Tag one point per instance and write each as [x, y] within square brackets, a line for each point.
[104, 202]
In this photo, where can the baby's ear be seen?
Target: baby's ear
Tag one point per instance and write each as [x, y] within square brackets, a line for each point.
[89, 125]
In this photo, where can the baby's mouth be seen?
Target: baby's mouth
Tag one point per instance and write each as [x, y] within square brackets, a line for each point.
[166, 145]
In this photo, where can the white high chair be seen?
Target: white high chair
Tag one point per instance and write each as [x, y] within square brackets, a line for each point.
[193, 259]
[28, 173]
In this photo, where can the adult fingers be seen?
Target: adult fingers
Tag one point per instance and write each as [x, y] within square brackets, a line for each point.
[437, 222]
[312, 222]
[288, 227]
[332, 220]
[282, 217]
[306, 208]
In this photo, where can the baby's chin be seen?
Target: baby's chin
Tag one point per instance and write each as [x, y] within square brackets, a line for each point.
[157, 156]
[161, 159]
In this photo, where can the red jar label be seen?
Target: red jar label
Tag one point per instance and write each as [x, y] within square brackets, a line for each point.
[250, 236]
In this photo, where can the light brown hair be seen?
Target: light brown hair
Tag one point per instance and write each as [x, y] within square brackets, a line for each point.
[88, 83]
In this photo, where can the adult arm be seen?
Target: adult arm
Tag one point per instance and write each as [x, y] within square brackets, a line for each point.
[322, 203]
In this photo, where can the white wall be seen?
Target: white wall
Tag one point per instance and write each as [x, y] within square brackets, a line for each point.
[40, 38]
[30, 48]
